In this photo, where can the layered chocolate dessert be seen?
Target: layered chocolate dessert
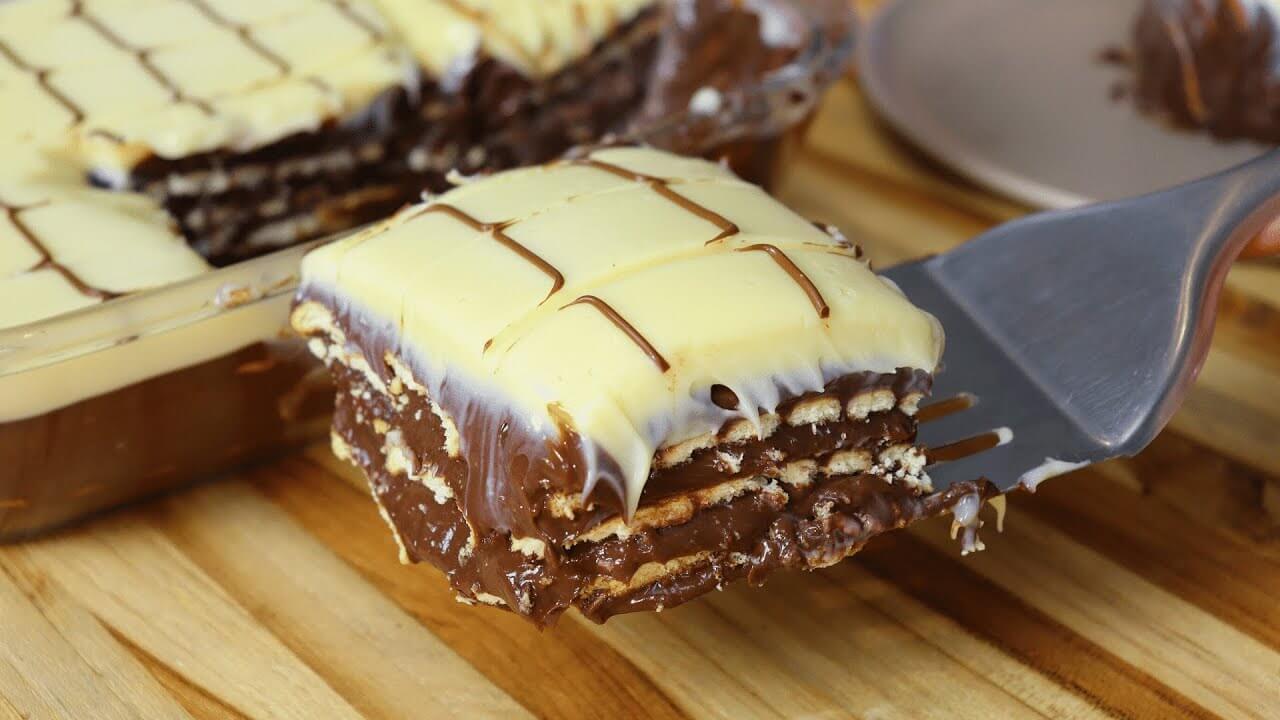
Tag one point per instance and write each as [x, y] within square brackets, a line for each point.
[257, 126]
[146, 142]
[619, 381]
[1212, 65]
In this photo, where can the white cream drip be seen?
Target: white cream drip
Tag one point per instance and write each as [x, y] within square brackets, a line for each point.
[1049, 468]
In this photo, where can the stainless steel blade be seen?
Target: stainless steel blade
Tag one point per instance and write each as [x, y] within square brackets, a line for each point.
[1080, 330]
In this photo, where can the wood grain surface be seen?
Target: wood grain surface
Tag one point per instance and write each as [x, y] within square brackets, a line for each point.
[1143, 588]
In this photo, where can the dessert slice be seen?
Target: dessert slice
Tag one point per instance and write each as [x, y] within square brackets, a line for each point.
[620, 381]
[1211, 64]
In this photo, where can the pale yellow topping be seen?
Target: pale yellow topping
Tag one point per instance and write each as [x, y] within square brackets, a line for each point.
[126, 79]
[714, 311]
[131, 78]
[64, 246]
[536, 37]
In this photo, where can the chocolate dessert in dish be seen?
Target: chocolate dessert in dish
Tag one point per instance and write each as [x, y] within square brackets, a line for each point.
[162, 139]
[1211, 65]
[619, 381]
[258, 125]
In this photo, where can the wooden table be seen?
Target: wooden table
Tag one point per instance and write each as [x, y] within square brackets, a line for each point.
[1144, 588]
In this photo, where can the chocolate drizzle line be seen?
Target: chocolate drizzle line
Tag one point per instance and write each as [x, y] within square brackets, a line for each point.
[244, 32]
[343, 7]
[943, 408]
[784, 262]
[661, 186]
[46, 258]
[42, 77]
[627, 328]
[142, 55]
[497, 231]
[963, 448]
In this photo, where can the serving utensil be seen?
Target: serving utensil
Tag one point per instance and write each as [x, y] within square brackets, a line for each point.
[1073, 336]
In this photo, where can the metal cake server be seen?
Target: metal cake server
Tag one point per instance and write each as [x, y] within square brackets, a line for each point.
[1076, 333]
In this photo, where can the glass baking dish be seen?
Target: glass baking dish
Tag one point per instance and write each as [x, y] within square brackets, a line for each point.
[147, 392]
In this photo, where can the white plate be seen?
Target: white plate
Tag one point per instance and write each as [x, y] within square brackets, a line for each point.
[1012, 93]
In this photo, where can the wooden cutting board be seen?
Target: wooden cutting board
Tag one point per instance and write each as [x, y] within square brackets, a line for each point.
[1144, 588]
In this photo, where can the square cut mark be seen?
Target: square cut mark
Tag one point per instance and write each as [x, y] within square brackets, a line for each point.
[454, 286]
[759, 217]
[280, 108]
[21, 17]
[117, 86]
[512, 33]
[221, 64]
[256, 12]
[127, 252]
[606, 234]
[154, 25]
[863, 305]
[719, 317]
[42, 114]
[416, 23]
[359, 77]
[32, 296]
[64, 43]
[551, 25]
[340, 81]
[317, 37]
[171, 129]
[516, 196]
[672, 168]
[16, 253]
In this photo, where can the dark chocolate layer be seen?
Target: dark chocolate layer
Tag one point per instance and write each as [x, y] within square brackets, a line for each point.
[518, 475]
[1210, 64]
[779, 526]
[515, 489]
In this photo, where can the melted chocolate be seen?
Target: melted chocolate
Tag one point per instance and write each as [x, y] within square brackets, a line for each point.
[626, 327]
[498, 231]
[1210, 64]
[660, 186]
[750, 536]
[796, 274]
[724, 397]
[508, 482]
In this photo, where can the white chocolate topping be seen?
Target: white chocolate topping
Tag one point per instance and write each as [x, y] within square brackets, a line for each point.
[538, 38]
[620, 288]
[64, 246]
[126, 79]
